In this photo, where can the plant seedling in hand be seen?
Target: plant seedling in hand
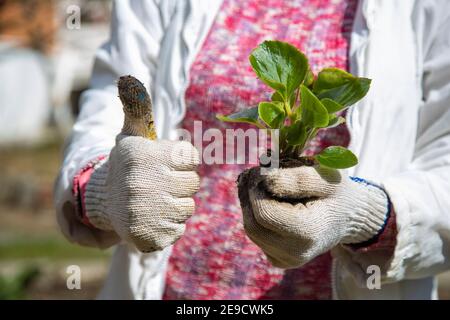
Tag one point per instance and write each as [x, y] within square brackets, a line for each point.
[301, 103]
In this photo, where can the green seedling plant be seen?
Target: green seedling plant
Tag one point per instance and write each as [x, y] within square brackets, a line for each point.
[301, 103]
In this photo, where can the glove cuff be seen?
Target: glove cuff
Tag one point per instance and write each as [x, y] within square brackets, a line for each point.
[371, 209]
[95, 197]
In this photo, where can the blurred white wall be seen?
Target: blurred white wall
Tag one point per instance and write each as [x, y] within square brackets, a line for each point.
[36, 87]
[24, 95]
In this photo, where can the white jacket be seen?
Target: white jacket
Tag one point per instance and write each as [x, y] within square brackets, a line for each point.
[400, 131]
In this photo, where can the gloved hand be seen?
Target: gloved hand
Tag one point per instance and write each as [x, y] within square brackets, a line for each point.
[296, 214]
[144, 191]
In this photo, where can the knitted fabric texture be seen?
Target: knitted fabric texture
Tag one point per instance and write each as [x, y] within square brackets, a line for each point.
[215, 259]
[334, 210]
[143, 192]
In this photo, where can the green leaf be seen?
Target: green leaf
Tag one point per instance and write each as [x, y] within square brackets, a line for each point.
[272, 113]
[331, 106]
[340, 86]
[309, 79]
[313, 112]
[245, 116]
[279, 65]
[329, 78]
[296, 134]
[276, 96]
[335, 121]
[337, 158]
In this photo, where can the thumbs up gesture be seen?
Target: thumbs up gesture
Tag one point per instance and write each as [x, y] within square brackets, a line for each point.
[143, 190]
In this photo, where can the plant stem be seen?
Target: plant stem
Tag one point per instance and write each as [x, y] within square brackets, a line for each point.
[287, 108]
[309, 137]
[294, 106]
[297, 94]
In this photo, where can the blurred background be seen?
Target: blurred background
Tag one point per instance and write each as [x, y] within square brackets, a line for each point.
[46, 55]
[46, 58]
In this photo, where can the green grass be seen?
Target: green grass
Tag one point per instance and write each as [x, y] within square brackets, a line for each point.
[54, 248]
[12, 288]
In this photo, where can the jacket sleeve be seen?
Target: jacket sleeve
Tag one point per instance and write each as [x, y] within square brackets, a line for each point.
[421, 195]
[137, 28]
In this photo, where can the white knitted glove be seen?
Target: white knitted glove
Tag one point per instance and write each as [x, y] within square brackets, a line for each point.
[296, 214]
[144, 191]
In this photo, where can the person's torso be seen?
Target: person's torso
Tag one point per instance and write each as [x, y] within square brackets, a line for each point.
[215, 259]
